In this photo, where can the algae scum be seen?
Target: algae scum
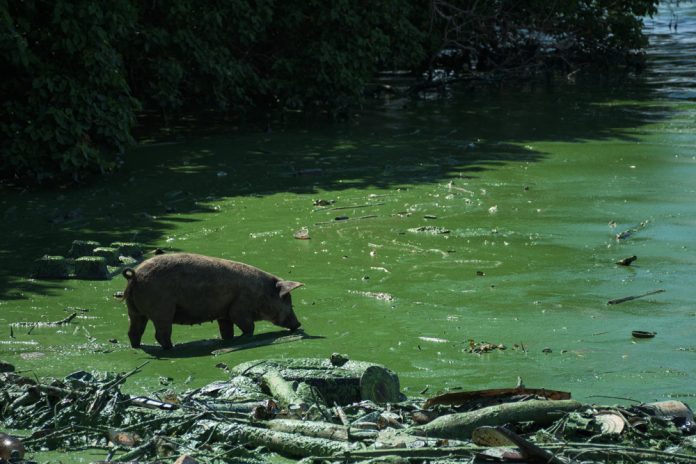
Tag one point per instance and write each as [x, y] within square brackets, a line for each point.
[430, 235]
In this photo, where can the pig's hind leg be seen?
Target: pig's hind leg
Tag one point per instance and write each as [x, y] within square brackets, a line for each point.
[163, 332]
[226, 329]
[136, 328]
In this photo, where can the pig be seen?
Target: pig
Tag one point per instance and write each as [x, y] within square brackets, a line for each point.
[187, 288]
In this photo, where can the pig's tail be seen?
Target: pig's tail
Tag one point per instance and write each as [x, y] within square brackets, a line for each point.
[128, 273]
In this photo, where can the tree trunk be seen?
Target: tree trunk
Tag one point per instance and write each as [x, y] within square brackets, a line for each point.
[461, 425]
[309, 428]
[284, 443]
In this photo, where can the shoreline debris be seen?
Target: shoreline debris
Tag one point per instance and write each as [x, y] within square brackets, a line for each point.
[333, 411]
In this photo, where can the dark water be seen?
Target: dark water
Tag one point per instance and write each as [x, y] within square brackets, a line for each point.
[533, 182]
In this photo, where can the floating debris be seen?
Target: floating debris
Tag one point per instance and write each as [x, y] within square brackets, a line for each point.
[376, 295]
[484, 347]
[433, 339]
[322, 202]
[634, 297]
[626, 261]
[302, 234]
[434, 230]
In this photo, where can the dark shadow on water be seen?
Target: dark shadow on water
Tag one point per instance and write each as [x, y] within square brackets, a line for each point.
[207, 347]
[400, 143]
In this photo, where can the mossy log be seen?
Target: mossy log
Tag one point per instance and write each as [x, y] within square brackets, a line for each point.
[460, 425]
[51, 267]
[315, 429]
[132, 249]
[287, 444]
[91, 268]
[352, 382]
[108, 253]
[82, 248]
[283, 391]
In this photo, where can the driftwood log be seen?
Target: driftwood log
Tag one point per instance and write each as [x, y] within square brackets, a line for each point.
[345, 384]
[461, 425]
[285, 443]
[315, 429]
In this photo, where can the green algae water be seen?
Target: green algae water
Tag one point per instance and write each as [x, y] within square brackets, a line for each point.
[482, 216]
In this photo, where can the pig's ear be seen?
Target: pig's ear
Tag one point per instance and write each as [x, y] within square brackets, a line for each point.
[286, 286]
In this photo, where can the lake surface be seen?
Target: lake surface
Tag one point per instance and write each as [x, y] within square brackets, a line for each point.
[533, 183]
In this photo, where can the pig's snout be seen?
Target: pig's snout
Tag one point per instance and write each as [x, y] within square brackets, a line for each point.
[291, 322]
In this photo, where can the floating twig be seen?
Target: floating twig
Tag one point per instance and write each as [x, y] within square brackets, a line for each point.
[634, 297]
[67, 320]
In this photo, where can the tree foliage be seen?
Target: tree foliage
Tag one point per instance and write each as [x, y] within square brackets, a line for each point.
[77, 71]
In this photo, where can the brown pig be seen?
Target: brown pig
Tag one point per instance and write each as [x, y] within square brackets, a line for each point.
[186, 288]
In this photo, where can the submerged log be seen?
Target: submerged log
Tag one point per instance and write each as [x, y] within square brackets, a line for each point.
[461, 425]
[351, 382]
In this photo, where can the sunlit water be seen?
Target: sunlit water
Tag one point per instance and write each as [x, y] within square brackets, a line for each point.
[533, 183]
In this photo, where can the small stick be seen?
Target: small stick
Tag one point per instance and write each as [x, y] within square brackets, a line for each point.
[635, 297]
[120, 380]
[341, 414]
[45, 324]
[355, 206]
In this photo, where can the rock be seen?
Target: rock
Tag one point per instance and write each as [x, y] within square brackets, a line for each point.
[91, 268]
[132, 249]
[51, 267]
[6, 367]
[82, 248]
[108, 253]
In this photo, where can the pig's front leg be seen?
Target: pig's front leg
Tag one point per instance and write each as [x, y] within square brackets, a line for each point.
[246, 325]
[226, 329]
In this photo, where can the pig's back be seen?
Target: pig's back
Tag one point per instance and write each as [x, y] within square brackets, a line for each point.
[200, 285]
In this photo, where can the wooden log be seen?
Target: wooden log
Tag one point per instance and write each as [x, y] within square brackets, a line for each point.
[461, 425]
[309, 428]
[458, 398]
[282, 390]
[351, 382]
[532, 452]
[284, 443]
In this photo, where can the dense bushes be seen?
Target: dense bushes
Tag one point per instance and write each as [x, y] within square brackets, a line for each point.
[66, 106]
[76, 71]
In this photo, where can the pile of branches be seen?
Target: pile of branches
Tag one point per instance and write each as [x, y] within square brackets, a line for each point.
[264, 409]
